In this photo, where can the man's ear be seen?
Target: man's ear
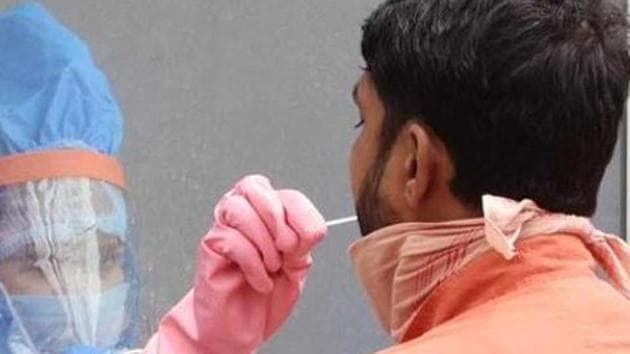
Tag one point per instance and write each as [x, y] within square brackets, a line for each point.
[419, 164]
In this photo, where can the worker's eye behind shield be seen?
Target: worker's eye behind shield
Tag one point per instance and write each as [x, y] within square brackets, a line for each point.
[97, 260]
[68, 275]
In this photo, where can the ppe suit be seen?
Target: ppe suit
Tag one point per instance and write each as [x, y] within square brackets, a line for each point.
[68, 275]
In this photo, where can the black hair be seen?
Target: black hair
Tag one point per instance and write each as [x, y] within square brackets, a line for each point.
[527, 95]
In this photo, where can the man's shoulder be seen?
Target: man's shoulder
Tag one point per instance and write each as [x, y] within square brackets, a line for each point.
[434, 345]
[547, 318]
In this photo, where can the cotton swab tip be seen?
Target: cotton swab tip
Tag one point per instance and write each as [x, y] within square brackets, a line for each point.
[341, 221]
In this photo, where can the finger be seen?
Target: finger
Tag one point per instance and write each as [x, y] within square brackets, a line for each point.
[232, 245]
[264, 199]
[304, 219]
[236, 212]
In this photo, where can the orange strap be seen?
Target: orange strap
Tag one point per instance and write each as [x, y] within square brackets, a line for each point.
[35, 166]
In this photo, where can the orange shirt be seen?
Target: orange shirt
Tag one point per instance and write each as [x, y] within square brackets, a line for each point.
[551, 299]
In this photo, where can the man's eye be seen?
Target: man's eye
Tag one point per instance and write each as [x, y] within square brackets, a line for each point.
[360, 124]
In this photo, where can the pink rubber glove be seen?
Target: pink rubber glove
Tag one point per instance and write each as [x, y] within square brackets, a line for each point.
[251, 269]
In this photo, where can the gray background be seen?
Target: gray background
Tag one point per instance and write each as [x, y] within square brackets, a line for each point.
[215, 90]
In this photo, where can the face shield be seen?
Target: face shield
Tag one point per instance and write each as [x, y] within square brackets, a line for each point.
[68, 279]
[68, 275]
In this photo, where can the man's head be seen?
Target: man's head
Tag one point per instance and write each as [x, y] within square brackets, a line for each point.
[460, 98]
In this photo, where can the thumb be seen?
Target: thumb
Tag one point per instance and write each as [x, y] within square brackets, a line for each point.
[305, 220]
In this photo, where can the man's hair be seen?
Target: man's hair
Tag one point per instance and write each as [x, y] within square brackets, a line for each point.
[527, 95]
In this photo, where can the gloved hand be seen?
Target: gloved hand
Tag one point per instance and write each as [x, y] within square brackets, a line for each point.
[251, 269]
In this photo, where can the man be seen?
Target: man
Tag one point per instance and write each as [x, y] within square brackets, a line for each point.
[68, 276]
[487, 126]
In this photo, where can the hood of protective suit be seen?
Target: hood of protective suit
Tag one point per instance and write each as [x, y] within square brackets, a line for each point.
[68, 275]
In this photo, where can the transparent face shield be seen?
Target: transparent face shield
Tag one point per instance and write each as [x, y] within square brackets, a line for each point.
[68, 275]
